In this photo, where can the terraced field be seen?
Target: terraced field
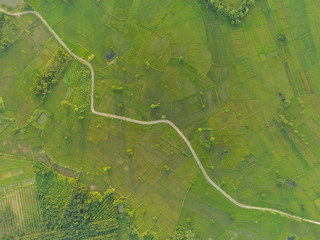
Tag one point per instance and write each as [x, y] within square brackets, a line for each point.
[245, 95]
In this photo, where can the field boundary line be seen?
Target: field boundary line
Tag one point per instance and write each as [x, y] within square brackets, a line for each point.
[164, 121]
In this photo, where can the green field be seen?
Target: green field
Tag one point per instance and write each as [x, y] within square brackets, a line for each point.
[245, 95]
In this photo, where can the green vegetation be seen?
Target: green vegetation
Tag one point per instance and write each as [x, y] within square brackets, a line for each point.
[68, 204]
[77, 77]
[206, 137]
[24, 6]
[50, 75]
[154, 106]
[97, 230]
[182, 234]
[149, 235]
[235, 14]
[19, 205]
[251, 88]
[19, 212]
[4, 43]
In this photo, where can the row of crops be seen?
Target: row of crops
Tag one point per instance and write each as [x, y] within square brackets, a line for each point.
[106, 209]
[19, 211]
[106, 229]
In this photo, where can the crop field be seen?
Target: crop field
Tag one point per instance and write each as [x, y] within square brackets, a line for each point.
[245, 95]
[146, 178]
[19, 205]
[20, 211]
[253, 126]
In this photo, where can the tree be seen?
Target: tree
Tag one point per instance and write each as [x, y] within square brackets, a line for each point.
[282, 37]
[130, 152]
[166, 168]
[107, 169]
[66, 103]
[154, 106]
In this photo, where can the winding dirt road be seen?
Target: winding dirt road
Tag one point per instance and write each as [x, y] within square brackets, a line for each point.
[284, 214]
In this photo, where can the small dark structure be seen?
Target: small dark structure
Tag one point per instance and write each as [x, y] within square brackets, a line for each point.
[282, 37]
[291, 182]
[111, 55]
[282, 97]
[291, 238]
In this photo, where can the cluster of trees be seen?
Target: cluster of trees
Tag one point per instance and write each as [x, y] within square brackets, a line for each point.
[149, 235]
[107, 229]
[4, 43]
[70, 211]
[49, 76]
[184, 234]
[206, 138]
[235, 15]
[68, 204]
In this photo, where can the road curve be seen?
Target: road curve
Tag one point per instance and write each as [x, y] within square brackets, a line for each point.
[205, 174]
